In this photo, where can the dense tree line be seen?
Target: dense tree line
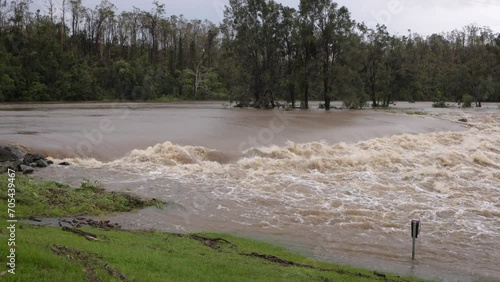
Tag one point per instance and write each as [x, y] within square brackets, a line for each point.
[77, 53]
[261, 52]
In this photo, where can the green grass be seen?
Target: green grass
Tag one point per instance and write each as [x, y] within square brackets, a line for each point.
[51, 254]
[156, 256]
[51, 199]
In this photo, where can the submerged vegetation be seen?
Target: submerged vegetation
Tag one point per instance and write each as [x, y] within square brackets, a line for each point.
[36, 198]
[262, 52]
[417, 113]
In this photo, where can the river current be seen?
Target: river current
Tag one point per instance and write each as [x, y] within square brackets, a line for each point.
[341, 186]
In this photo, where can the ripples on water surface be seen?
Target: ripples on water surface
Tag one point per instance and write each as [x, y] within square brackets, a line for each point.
[347, 202]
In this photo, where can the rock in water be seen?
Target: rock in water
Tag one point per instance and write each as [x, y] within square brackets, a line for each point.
[64, 164]
[32, 158]
[41, 163]
[26, 169]
[9, 153]
[463, 120]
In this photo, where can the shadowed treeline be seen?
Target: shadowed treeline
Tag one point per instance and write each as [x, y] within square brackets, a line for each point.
[260, 53]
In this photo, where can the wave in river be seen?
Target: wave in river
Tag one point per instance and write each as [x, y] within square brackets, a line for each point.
[449, 180]
[453, 171]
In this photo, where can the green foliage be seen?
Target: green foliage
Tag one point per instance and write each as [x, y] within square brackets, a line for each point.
[124, 79]
[467, 101]
[261, 47]
[439, 100]
[7, 87]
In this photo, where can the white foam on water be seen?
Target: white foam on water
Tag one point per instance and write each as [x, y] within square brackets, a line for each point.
[449, 180]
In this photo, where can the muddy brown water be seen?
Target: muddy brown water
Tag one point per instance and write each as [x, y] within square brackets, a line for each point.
[339, 186]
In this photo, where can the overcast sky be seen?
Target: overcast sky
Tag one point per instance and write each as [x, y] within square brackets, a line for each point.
[421, 16]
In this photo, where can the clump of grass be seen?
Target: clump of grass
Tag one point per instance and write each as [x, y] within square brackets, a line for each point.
[51, 199]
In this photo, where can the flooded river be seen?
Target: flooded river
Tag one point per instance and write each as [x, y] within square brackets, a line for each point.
[340, 186]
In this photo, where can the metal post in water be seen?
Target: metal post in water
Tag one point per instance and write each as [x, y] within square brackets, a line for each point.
[413, 250]
[415, 230]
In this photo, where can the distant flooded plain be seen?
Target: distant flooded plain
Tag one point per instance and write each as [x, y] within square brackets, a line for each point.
[340, 186]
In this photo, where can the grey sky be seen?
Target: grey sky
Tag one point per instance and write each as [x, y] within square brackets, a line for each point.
[421, 16]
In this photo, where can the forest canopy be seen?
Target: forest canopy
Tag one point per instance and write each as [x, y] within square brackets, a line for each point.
[262, 52]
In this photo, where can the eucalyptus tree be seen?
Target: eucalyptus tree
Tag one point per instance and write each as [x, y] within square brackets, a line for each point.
[4, 15]
[478, 62]
[51, 10]
[332, 27]
[97, 20]
[201, 68]
[394, 66]
[308, 47]
[377, 42]
[77, 10]
[348, 76]
[289, 32]
[151, 21]
[256, 44]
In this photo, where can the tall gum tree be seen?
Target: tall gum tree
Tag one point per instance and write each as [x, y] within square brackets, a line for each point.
[332, 27]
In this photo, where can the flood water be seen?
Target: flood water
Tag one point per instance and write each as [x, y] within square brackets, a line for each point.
[340, 186]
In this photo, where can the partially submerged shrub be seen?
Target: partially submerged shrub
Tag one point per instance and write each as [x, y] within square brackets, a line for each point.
[439, 104]
[439, 101]
[467, 101]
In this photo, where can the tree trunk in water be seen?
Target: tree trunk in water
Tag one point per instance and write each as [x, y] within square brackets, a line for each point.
[374, 98]
[306, 95]
[269, 99]
[327, 103]
[257, 95]
[196, 85]
[259, 87]
[372, 92]
[325, 87]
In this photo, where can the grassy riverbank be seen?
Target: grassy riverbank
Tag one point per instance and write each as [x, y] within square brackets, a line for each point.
[54, 254]
[52, 199]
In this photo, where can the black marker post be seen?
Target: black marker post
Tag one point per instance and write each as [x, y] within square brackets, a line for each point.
[415, 230]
